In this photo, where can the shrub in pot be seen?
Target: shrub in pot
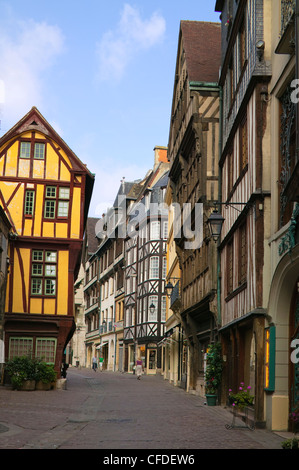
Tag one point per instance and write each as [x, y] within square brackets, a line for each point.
[213, 372]
[22, 370]
[45, 375]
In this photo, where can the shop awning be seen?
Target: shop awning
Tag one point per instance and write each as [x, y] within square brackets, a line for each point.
[102, 345]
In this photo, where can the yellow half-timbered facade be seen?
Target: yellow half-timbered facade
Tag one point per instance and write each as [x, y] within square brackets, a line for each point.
[45, 191]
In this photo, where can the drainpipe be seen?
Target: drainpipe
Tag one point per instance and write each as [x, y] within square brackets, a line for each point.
[219, 199]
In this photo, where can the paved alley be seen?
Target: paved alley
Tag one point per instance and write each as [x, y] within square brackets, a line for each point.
[105, 410]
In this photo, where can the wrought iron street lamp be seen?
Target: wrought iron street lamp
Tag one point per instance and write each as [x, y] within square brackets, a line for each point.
[215, 221]
[169, 286]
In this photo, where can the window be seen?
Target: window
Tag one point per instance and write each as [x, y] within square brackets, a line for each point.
[153, 300]
[43, 348]
[230, 267]
[51, 202]
[46, 349]
[63, 202]
[155, 230]
[39, 151]
[165, 230]
[25, 150]
[164, 268]
[163, 309]
[243, 149]
[242, 254]
[154, 267]
[231, 81]
[20, 347]
[242, 46]
[43, 272]
[287, 153]
[230, 173]
[29, 202]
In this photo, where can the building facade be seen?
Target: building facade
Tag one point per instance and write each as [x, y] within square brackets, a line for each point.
[5, 228]
[45, 193]
[174, 344]
[193, 153]
[281, 334]
[245, 194]
[145, 270]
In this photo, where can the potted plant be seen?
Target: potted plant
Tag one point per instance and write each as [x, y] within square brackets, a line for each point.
[45, 375]
[293, 442]
[213, 373]
[242, 398]
[21, 371]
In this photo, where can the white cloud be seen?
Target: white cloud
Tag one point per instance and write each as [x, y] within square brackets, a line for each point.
[133, 35]
[27, 51]
[107, 183]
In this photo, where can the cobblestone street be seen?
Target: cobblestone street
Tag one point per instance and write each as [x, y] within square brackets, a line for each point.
[105, 410]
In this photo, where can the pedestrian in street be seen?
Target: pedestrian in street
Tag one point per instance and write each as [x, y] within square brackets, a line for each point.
[94, 363]
[138, 368]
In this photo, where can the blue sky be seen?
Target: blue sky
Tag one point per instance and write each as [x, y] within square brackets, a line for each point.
[102, 75]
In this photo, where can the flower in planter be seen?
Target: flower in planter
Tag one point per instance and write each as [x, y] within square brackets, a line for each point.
[213, 369]
[242, 398]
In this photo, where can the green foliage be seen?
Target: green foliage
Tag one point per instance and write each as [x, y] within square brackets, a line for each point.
[24, 368]
[45, 372]
[20, 369]
[242, 398]
[213, 368]
[292, 443]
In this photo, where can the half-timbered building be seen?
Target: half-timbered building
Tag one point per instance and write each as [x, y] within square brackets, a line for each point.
[145, 270]
[245, 193]
[90, 265]
[5, 228]
[111, 283]
[45, 193]
[193, 151]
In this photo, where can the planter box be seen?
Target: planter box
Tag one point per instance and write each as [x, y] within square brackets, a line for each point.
[43, 386]
[28, 385]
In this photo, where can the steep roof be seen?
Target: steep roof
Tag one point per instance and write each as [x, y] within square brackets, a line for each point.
[35, 121]
[202, 46]
[92, 240]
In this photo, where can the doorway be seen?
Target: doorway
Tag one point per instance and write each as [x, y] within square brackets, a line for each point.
[152, 361]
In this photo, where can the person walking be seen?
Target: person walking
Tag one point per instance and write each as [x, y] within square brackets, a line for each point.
[139, 368]
[94, 363]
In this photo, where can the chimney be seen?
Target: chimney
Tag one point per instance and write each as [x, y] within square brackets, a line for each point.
[160, 156]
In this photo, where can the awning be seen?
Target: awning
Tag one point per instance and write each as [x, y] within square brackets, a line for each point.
[101, 345]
